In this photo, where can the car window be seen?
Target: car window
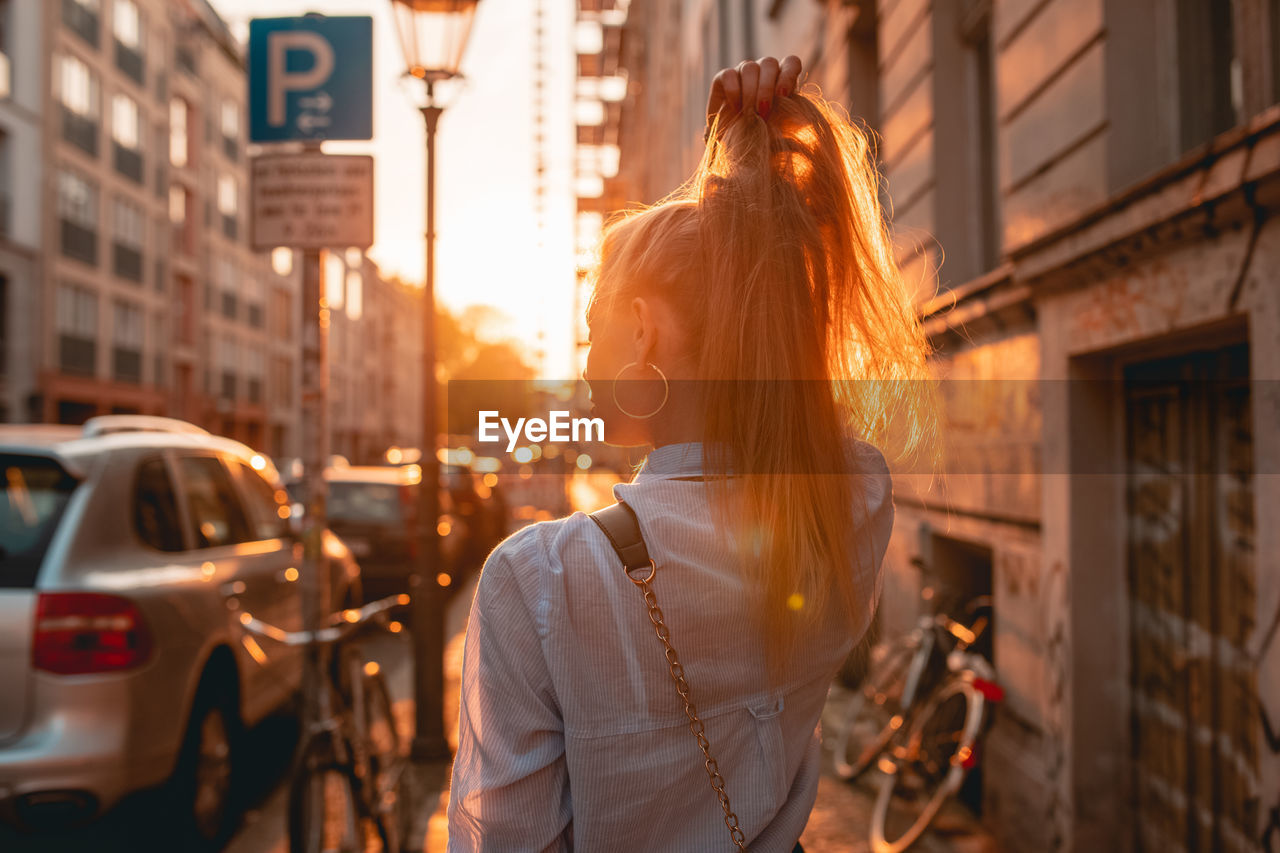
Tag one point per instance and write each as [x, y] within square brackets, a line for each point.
[34, 492]
[217, 518]
[264, 504]
[365, 502]
[155, 507]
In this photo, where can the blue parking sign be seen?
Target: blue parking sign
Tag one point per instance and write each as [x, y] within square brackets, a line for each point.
[310, 78]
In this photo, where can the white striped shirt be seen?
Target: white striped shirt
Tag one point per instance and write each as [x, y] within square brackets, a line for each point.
[571, 734]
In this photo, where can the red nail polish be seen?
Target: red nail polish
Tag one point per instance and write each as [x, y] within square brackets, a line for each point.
[782, 91]
[764, 109]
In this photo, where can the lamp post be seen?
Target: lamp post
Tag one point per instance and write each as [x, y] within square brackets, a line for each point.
[433, 35]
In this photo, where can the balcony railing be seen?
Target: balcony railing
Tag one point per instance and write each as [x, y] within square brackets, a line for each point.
[126, 365]
[128, 162]
[79, 242]
[81, 21]
[77, 355]
[131, 63]
[126, 262]
[80, 131]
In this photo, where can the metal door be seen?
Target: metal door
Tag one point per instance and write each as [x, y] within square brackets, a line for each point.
[1191, 602]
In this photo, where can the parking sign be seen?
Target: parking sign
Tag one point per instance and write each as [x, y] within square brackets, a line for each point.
[310, 78]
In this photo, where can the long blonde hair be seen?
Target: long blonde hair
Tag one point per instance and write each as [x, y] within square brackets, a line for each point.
[776, 255]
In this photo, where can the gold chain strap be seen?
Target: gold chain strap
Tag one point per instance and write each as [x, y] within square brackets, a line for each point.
[690, 711]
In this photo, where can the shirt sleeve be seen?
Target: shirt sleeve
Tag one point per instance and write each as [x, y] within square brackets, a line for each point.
[510, 786]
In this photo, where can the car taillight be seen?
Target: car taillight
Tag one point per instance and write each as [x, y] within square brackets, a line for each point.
[84, 632]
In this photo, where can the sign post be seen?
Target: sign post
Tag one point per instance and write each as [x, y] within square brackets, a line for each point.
[311, 79]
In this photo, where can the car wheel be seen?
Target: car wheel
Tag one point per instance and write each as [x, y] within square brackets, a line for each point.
[203, 781]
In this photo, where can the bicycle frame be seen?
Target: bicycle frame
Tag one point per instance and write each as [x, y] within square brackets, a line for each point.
[334, 733]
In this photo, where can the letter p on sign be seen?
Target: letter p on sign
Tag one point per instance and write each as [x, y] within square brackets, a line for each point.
[280, 80]
[310, 78]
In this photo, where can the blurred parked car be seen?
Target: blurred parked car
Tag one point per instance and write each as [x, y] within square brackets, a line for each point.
[129, 549]
[374, 510]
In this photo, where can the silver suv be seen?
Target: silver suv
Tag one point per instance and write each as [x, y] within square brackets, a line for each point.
[129, 549]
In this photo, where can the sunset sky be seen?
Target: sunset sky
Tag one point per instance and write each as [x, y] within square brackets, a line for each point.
[488, 250]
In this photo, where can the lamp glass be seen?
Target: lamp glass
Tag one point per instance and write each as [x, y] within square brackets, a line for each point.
[433, 35]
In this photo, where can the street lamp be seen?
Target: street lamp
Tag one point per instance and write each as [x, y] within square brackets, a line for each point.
[433, 35]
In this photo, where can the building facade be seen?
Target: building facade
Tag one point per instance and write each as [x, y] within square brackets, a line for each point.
[375, 356]
[1082, 194]
[130, 285]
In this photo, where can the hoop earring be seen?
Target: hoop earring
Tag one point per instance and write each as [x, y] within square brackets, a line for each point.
[666, 390]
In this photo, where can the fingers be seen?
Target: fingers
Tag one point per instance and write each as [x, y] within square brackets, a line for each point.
[750, 73]
[755, 84]
[765, 86]
[726, 94]
[788, 76]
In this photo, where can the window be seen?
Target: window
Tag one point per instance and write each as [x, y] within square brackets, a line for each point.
[227, 358]
[230, 119]
[230, 129]
[77, 199]
[179, 138]
[159, 327]
[255, 366]
[1209, 72]
[967, 199]
[126, 354]
[126, 134]
[227, 195]
[129, 220]
[267, 506]
[126, 23]
[124, 121]
[81, 17]
[77, 322]
[78, 212]
[228, 285]
[228, 204]
[217, 518]
[282, 260]
[155, 507]
[80, 95]
[78, 87]
[34, 493]
[128, 223]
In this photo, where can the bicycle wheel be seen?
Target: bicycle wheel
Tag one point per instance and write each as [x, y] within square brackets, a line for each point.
[386, 763]
[324, 814]
[874, 713]
[929, 765]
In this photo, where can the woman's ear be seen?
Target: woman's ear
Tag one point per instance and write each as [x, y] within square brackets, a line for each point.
[645, 339]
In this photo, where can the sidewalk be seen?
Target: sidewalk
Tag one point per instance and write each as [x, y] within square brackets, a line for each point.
[839, 822]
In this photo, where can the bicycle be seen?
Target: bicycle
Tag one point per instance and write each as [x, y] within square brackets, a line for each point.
[347, 784]
[917, 716]
[899, 672]
[926, 761]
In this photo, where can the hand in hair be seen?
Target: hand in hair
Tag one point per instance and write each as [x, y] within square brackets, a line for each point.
[753, 82]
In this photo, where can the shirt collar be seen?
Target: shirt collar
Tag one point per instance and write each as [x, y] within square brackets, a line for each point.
[671, 460]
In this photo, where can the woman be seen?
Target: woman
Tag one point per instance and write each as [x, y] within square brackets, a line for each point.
[720, 319]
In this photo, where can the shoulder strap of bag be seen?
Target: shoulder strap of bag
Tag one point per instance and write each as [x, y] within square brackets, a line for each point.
[622, 529]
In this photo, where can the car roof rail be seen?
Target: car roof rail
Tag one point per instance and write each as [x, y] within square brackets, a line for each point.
[110, 424]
